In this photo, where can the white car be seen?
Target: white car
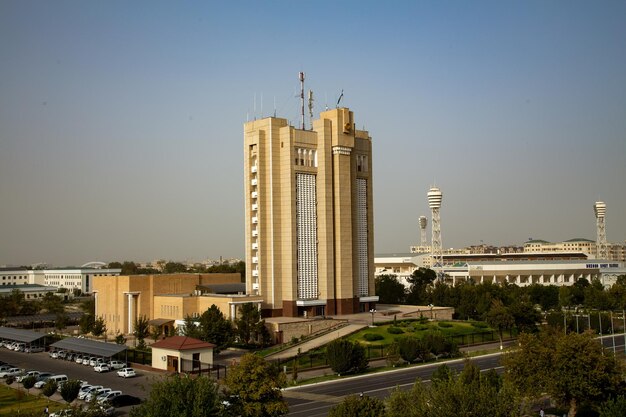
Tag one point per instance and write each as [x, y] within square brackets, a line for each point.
[126, 373]
[88, 390]
[109, 395]
[33, 349]
[27, 374]
[11, 372]
[103, 367]
[117, 364]
[97, 393]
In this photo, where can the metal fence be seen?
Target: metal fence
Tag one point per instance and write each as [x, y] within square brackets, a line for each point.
[195, 367]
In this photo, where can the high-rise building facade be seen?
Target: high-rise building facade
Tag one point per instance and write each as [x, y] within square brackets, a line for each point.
[309, 211]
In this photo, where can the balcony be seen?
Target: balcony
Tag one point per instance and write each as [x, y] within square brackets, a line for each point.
[255, 207]
[255, 246]
[255, 260]
[254, 194]
[255, 220]
[253, 182]
[255, 272]
[253, 169]
[255, 286]
[255, 233]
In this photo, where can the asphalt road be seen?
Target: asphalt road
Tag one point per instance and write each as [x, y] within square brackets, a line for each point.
[316, 400]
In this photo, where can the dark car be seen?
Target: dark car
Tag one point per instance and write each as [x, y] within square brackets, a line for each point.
[124, 400]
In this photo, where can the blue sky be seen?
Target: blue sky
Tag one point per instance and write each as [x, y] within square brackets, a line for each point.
[121, 123]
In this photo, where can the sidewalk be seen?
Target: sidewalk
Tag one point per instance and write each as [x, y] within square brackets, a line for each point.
[315, 342]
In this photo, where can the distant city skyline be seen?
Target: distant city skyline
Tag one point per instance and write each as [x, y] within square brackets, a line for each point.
[121, 130]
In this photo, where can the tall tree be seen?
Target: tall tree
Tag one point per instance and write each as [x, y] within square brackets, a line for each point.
[141, 331]
[249, 323]
[217, 329]
[69, 390]
[99, 327]
[182, 396]
[499, 318]
[573, 369]
[389, 289]
[254, 387]
[190, 328]
[419, 281]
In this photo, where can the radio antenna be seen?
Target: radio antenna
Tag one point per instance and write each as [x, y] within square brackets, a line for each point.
[311, 107]
[301, 75]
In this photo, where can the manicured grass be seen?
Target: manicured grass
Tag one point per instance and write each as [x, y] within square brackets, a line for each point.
[418, 329]
[14, 401]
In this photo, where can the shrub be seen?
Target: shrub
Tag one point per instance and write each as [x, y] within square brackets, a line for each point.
[345, 356]
[372, 337]
[395, 330]
[479, 325]
[29, 382]
[10, 379]
[420, 327]
[443, 324]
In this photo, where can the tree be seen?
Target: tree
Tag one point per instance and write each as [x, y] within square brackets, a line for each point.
[254, 388]
[525, 316]
[410, 348]
[345, 356]
[614, 407]
[120, 339]
[141, 331]
[180, 395]
[442, 374]
[69, 390]
[52, 303]
[49, 388]
[573, 369]
[353, 405]
[499, 318]
[217, 329]
[155, 332]
[29, 382]
[86, 323]
[419, 281]
[99, 327]
[61, 320]
[452, 396]
[389, 289]
[393, 354]
[249, 323]
[174, 267]
[190, 328]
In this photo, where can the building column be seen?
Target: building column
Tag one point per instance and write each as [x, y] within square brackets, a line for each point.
[233, 312]
[130, 313]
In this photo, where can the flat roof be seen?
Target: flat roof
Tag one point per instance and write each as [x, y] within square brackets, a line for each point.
[19, 335]
[92, 347]
[39, 318]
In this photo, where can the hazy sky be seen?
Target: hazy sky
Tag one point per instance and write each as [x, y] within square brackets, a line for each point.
[121, 123]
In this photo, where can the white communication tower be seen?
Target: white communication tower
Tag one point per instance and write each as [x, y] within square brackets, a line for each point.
[423, 222]
[600, 209]
[434, 201]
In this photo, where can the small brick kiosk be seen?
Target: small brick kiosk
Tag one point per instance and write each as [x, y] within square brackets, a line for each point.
[170, 353]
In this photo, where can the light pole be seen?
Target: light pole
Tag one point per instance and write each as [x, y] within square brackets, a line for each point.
[373, 311]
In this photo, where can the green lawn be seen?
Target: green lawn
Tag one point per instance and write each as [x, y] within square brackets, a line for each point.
[15, 402]
[417, 328]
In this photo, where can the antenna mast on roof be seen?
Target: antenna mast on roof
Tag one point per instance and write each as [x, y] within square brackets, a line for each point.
[302, 97]
[311, 107]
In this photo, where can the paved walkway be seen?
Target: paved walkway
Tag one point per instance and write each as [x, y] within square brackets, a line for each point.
[316, 342]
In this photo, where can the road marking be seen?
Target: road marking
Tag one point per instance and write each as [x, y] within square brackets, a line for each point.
[313, 397]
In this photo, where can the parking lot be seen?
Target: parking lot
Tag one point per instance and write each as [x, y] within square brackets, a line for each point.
[138, 386]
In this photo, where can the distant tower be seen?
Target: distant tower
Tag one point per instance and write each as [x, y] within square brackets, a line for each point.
[600, 209]
[423, 222]
[434, 201]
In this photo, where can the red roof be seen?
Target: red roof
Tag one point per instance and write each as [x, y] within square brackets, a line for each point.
[182, 343]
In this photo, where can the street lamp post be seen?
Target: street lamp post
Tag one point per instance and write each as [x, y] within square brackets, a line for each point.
[373, 310]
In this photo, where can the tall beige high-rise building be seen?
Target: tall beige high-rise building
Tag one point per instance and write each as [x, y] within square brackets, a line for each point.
[308, 214]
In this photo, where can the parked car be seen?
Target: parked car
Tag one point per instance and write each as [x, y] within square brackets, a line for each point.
[97, 393]
[19, 347]
[124, 400]
[59, 379]
[34, 349]
[11, 372]
[83, 394]
[126, 373]
[103, 367]
[79, 359]
[86, 360]
[117, 364]
[92, 361]
[27, 374]
[4, 368]
[107, 396]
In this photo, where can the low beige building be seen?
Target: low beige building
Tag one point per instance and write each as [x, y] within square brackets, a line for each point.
[181, 353]
[165, 298]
